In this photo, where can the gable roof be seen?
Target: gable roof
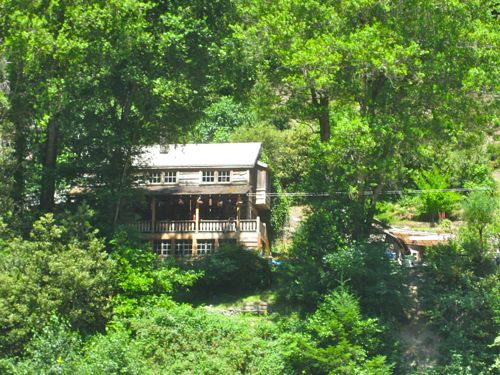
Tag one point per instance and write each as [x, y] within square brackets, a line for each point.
[201, 155]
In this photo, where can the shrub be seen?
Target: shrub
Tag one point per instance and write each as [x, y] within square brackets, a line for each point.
[52, 273]
[320, 259]
[232, 269]
[434, 203]
[336, 339]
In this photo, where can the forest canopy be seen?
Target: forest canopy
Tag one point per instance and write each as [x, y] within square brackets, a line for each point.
[351, 100]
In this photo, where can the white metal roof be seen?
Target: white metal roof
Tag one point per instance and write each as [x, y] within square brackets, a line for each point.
[201, 155]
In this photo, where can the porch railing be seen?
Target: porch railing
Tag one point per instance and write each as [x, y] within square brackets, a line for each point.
[178, 226]
[183, 226]
[248, 226]
[217, 226]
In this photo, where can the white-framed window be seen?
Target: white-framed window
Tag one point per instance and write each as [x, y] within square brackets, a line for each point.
[170, 177]
[223, 176]
[163, 247]
[208, 176]
[154, 178]
[205, 247]
[183, 248]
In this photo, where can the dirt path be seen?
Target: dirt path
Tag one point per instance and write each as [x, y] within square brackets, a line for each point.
[419, 344]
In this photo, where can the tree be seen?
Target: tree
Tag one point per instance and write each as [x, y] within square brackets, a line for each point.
[433, 203]
[60, 270]
[93, 82]
[337, 339]
[321, 259]
[480, 210]
[413, 75]
[7, 166]
[460, 296]
[219, 121]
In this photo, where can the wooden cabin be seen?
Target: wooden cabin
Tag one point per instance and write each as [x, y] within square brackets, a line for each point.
[200, 196]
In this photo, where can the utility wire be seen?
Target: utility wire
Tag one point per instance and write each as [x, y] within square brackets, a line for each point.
[387, 192]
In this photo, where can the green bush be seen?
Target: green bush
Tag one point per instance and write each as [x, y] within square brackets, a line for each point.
[320, 259]
[434, 203]
[60, 271]
[182, 340]
[336, 339]
[232, 269]
[461, 297]
[52, 350]
[141, 277]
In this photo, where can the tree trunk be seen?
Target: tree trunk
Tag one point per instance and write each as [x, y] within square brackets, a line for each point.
[321, 103]
[324, 118]
[48, 188]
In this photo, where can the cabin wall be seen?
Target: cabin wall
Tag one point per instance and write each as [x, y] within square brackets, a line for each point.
[194, 177]
[189, 177]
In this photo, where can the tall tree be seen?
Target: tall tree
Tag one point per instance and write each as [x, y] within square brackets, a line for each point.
[406, 77]
[95, 81]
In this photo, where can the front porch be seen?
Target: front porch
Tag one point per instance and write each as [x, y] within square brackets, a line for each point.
[191, 238]
[192, 225]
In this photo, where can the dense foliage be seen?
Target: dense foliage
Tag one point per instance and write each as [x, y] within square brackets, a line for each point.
[60, 270]
[351, 99]
[232, 269]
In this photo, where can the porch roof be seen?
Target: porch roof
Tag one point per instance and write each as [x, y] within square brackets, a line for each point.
[197, 189]
[200, 155]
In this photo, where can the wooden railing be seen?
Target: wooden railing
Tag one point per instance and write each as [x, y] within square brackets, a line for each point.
[182, 226]
[248, 225]
[143, 226]
[178, 226]
[217, 226]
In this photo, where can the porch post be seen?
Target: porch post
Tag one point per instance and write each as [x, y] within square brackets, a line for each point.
[153, 214]
[238, 212]
[197, 214]
[259, 239]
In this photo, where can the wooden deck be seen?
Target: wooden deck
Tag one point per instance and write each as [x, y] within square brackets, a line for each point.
[249, 233]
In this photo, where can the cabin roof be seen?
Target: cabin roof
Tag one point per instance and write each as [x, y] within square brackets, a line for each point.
[201, 155]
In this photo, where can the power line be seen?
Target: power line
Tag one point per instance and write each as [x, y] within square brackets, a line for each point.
[368, 192]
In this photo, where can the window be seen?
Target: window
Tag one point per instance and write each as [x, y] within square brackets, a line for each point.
[154, 178]
[183, 248]
[216, 176]
[163, 247]
[224, 176]
[205, 247]
[208, 176]
[170, 177]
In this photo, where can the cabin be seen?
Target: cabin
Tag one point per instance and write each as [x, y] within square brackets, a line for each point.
[200, 196]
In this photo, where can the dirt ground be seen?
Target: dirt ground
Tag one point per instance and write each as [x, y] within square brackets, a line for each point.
[420, 345]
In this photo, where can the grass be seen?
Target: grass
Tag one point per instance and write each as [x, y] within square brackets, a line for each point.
[268, 296]
[425, 226]
[227, 300]
[404, 214]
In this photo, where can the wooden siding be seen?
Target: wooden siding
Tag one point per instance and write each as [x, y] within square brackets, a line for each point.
[189, 177]
[240, 176]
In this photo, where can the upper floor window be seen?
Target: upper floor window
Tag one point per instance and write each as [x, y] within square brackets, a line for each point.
[224, 176]
[170, 177]
[154, 178]
[208, 176]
